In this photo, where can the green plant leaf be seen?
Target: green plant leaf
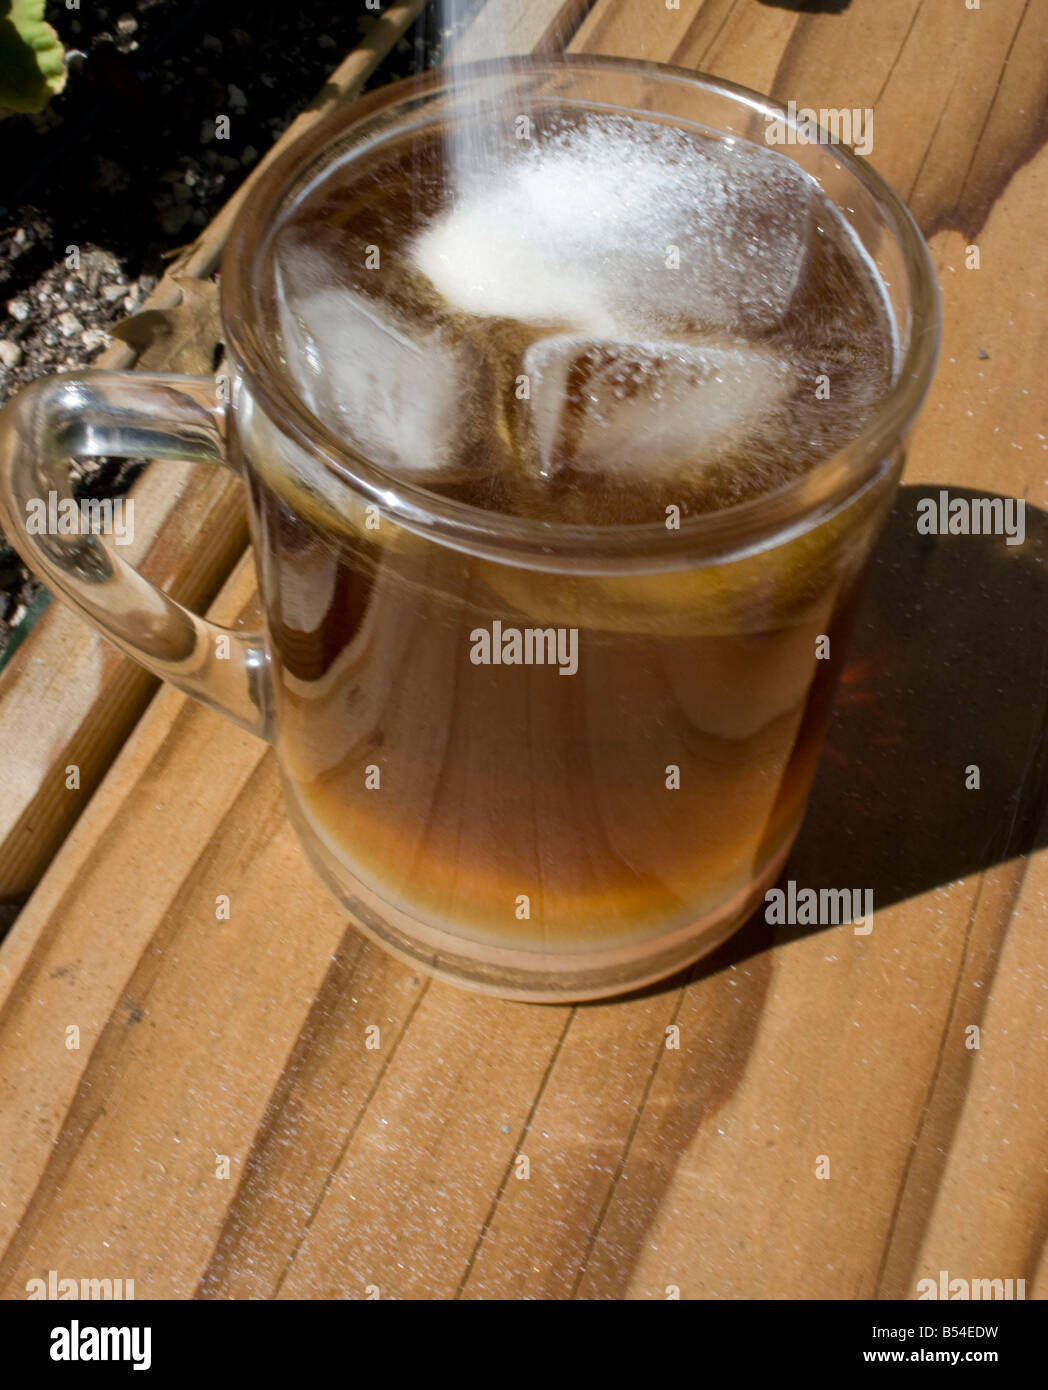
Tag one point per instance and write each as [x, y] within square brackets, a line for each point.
[32, 59]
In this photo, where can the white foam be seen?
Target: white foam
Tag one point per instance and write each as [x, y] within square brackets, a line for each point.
[487, 260]
[622, 226]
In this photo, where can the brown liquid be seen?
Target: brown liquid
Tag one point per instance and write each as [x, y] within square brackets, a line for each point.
[511, 804]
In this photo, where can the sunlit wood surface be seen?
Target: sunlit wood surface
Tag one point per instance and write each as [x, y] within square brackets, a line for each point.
[650, 1168]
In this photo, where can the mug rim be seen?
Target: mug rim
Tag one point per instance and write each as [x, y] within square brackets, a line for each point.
[790, 509]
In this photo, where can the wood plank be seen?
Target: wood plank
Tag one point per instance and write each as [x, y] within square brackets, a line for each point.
[66, 696]
[650, 1166]
[517, 27]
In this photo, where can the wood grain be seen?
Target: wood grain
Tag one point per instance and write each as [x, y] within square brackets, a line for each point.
[650, 1167]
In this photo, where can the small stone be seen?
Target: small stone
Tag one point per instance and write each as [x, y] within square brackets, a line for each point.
[237, 99]
[97, 266]
[112, 292]
[240, 38]
[174, 219]
[249, 156]
[93, 338]
[18, 309]
[109, 176]
[127, 24]
[20, 237]
[212, 43]
[130, 303]
[183, 194]
[228, 163]
[325, 41]
[983, 355]
[10, 353]
[69, 325]
[71, 288]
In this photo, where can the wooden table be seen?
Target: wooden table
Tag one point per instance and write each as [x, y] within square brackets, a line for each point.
[354, 1169]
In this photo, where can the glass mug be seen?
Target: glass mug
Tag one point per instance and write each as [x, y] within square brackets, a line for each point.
[527, 833]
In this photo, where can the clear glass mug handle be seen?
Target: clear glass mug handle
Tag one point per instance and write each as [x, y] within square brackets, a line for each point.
[133, 414]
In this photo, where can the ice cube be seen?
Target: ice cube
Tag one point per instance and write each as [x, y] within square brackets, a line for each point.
[487, 258]
[651, 410]
[623, 227]
[403, 394]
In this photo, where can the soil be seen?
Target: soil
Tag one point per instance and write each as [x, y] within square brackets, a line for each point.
[122, 170]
